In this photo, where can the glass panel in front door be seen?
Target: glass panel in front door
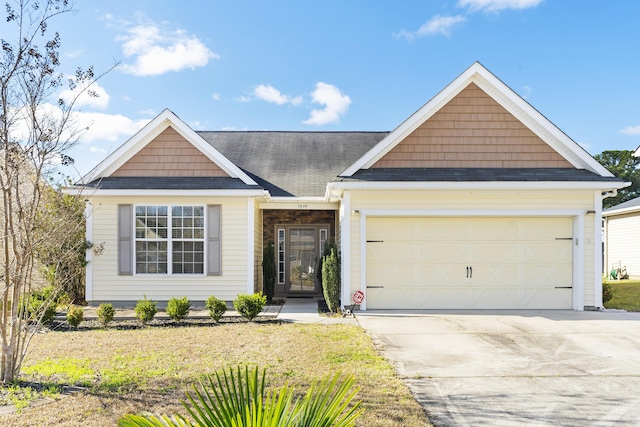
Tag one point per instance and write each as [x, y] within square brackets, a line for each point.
[302, 260]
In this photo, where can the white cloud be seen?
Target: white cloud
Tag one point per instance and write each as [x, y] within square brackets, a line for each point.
[526, 91]
[94, 149]
[497, 5]
[271, 94]
[436, 25]
[85, 99]
[216, 96]
[107, 127]
[335, 104]
[74, 53]
[631, 130]
[148, 112]
[242, 98]
[159, 50]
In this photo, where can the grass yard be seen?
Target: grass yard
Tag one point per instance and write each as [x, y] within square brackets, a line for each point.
[128, 371]
[626, 295]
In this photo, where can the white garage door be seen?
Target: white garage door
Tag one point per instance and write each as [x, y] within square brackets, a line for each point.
[469, 263]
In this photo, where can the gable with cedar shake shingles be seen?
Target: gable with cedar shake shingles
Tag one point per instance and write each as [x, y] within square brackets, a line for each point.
[169, 154]
[472, 131]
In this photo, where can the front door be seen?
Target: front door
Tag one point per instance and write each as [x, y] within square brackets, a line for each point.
[303, 260]
[300, 248]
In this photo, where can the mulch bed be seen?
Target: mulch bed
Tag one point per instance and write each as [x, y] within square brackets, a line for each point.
[131, 324]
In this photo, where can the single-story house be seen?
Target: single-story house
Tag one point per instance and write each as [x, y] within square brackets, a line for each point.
[622, 238]
[475, 201]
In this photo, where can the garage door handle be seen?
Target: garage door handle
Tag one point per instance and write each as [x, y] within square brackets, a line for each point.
[469, 272]
[375, 241]
[375, 287]
[564, 287]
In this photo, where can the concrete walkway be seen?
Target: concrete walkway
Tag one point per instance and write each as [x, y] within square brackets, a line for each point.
[305, 310]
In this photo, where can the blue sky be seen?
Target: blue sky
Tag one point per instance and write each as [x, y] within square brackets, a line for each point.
[348, 65]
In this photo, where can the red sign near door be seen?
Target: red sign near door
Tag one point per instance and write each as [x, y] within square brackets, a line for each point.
[358, 297]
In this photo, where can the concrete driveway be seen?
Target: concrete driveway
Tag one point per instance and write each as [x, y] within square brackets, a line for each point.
[508, 368]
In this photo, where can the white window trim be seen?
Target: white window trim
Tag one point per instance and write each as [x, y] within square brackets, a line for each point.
[170, 241]
[281, 266]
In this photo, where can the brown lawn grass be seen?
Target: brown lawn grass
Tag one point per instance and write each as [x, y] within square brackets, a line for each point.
[128, 371]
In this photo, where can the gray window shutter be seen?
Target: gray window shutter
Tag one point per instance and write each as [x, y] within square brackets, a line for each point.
[214, 256]
[125, 240]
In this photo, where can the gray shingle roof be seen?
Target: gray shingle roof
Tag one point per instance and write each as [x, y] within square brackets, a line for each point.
[293, 163]
[302, 163]
[170, 183]
[476, 174]
[633, 203]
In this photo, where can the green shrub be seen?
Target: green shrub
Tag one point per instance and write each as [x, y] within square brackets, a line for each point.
[607, 292]
[240, 398]
[42, 305]
[331, 280]
[75, 316]
[216, 307]
[146, 310]
[178, 308]
[269, 271]
[249, 305]
[105, 313]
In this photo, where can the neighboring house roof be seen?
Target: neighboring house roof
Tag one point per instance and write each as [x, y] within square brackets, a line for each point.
[293, 163]
[629, 206]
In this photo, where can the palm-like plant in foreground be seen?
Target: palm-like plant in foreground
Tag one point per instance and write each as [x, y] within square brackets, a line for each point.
[239, 399]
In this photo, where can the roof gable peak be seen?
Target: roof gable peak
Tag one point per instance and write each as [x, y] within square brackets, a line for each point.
[480, 76]
[148, 133]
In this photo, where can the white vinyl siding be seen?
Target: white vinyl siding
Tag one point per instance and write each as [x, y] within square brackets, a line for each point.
[623, 243]
[109, 286]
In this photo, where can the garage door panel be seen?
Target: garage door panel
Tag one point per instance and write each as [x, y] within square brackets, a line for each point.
[545, 298]
[549, 275]
[382, 228]
[495, 275]
[497, 229]
[508, 252]
[561, 251]
[444, 230]
[432, 275]
[401, 297]
[443, 252]
[420, 298]
[515, 262]
[498, 298]
[393, 252]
